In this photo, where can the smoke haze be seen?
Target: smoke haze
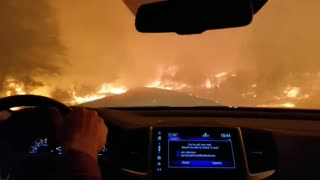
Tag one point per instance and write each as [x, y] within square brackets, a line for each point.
[29, 43]
[102, 45]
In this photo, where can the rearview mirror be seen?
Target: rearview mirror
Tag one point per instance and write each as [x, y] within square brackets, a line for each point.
[195, 16]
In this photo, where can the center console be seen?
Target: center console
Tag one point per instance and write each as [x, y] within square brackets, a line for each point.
[196, 153]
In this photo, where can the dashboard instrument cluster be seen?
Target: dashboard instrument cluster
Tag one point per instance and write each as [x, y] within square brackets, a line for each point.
[43, 146]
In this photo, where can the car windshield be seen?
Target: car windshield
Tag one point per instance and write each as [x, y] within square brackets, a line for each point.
[90, 52]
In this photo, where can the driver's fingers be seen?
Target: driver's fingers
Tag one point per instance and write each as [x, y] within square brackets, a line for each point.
[56, 117]
[78, 108]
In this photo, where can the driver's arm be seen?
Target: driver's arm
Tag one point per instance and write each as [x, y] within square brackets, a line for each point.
[82, 135]
[80, 166]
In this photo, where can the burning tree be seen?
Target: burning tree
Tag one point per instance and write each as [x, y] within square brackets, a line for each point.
[29, 45]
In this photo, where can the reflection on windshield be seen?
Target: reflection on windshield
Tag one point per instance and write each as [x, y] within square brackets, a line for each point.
[77, 53]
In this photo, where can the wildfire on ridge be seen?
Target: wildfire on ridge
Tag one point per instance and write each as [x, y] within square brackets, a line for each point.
[285, 105]
[110, 88]
[168, 85]
[84, 99]
[14, 87]
[286, 99]
[106, 88]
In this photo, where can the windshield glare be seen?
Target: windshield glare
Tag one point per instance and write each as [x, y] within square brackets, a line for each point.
[82, 52]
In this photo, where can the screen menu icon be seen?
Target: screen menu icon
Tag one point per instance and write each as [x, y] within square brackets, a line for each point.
[159, 157]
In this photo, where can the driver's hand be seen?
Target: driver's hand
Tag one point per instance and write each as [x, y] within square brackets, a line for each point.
[82, 130]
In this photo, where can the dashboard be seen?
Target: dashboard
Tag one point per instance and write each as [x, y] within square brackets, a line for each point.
[162, 143]
[217, 152]
[178, 152]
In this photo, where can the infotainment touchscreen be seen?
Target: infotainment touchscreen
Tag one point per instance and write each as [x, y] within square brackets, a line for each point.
[195, 149]
[200, 151]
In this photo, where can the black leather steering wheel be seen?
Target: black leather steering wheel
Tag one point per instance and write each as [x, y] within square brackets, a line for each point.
[32, 100]
[29, 100]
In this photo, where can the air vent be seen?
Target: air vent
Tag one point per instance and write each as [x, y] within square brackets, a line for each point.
[135, 150]
[260, 150]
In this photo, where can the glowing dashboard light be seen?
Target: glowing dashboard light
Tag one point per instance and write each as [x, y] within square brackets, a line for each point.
[16, 108]
[20, 107]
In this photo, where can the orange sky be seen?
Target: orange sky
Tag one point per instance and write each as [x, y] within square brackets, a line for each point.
[103, 44]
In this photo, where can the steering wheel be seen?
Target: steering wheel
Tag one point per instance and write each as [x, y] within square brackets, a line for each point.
[34, 101]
